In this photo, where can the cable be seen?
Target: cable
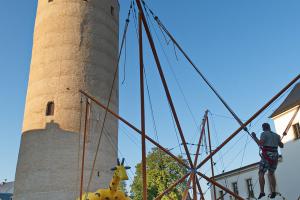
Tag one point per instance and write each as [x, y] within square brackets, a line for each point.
[79, 141]
[125, 60]
[174, 75]
[176, 132]
[151, 106]
[108, 135]
[199, 72]
[109, 98]
[131, 138]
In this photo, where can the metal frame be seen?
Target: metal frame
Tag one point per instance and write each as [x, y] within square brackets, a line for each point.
[87, 107]
[193, 167]
[193, 170]
[142, 91]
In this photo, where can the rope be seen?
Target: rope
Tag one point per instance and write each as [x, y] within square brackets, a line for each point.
[247, 142]
[176, 132]
[174, 75]
[254, 125]
[135, 18]
[131, 138]
[270, 107]
[109, 99]
[79, 140]
[108, 136]
[125, 60]
[151, 107]
[173, 120]
[198, 71]
[222, 116]
[218, 143]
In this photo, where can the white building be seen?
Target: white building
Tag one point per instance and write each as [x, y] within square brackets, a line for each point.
[6, 190]
[244, 181]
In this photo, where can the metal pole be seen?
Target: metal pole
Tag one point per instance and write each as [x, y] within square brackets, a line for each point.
[186, 191]
[164, 82]
[220, 186]
[144, 161]
[199, 188]
[198, 71]
[290, 123]
[83, 148]
[172, 186]
[201, 136]
[194, 186]
[249, 120]
[211, 159]
[196, 181]
[134, 128]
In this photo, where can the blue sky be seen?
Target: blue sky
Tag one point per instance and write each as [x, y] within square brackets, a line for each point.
[247, 49]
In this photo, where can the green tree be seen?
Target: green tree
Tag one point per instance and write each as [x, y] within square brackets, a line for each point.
[123, 187]
[162, 171]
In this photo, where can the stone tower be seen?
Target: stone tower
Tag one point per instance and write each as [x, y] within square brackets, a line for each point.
[75, 47]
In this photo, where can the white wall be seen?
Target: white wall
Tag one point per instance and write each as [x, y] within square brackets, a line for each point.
[242, 184]
[287, 173]
[288, 176]
[282, 121]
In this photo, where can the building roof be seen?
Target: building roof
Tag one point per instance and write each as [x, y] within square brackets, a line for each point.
[292, 100]
[238, 170]
[7, 187]
[5, 196]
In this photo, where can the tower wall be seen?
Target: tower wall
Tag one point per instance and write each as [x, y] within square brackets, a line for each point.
[75, 47]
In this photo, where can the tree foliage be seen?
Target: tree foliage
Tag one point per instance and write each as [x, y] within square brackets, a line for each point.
[162, 171]
[123, 187]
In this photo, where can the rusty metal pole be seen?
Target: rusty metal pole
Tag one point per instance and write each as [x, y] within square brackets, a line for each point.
[134, 128]
[172, 186]
[83, 147]
[142, 93]
[194, 176]
[186, 191]
[202, 132]
[201, 137]
[199, 188]
[164, 82]
[211, 159]
[249, 120]
[220, 186]
[290, 123]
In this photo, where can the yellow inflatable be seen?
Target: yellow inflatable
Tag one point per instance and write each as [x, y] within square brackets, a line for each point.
[111, 193]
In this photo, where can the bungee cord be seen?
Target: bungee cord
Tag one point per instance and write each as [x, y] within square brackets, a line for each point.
[243, 126]
[174, 74]
[197, 70]
[109, 98]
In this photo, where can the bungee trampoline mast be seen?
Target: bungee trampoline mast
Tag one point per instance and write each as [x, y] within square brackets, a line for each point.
[193, 166]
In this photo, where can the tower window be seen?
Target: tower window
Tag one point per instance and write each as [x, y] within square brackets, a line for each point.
[112, 11]
[296, 128]
[50, 108]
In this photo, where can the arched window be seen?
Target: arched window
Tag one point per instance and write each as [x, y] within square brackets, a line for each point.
[50, 108]
[112, 11]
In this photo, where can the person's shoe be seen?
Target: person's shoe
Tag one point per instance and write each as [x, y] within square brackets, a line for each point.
[273, 195]
[261, 195]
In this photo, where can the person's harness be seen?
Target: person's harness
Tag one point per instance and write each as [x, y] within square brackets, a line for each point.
[264, 154]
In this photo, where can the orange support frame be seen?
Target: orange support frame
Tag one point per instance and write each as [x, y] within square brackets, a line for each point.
[192, 167]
